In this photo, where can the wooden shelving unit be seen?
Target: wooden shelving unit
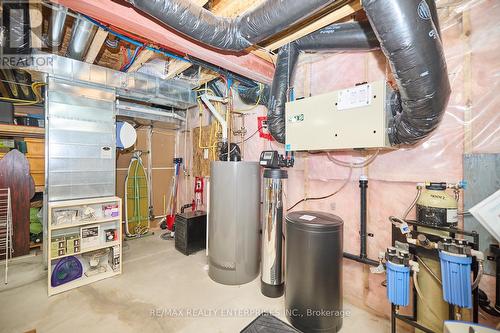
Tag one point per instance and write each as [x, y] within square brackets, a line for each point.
[71, 227]
[21, 131]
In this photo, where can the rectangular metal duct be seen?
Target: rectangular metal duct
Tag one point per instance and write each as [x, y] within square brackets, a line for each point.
[135, 86]
[137, 111]
[81, 141]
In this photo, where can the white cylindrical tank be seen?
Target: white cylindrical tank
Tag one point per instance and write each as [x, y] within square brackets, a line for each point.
[233, 230]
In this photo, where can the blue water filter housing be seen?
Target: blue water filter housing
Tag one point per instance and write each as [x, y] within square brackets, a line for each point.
[456, 277]
[398, 284]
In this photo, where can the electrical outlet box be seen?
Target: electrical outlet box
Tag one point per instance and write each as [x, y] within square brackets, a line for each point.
[351, 118]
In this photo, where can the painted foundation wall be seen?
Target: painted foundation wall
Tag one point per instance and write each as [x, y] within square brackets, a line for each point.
[471, 37]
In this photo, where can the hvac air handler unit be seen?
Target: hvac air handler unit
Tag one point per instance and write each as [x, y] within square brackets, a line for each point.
[345, 119]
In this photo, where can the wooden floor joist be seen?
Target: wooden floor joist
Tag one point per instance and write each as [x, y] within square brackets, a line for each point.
[141, 59]
[175, 67]
[326, 20]
[206, 77]
[200, 2]
[96, 45]
[36, 23]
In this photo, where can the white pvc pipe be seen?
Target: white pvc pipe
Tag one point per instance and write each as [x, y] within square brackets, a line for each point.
[206, 99]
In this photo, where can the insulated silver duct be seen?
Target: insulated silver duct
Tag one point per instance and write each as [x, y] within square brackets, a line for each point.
[81, 35]
[231, 34]
[56, 28]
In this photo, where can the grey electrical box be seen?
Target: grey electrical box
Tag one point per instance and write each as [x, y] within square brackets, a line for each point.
[351, 118]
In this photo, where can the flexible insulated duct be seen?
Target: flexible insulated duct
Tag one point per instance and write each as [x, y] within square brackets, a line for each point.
[410, 40]
[408, 32]
[230, 34]
[412, 43]
[255, 94]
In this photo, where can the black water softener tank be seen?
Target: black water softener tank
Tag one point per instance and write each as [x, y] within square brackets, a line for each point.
[313, 271]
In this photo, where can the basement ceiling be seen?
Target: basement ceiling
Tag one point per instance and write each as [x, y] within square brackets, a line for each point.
[115, 58]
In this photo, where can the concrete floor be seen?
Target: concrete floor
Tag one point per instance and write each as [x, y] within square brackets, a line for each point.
[158, 288]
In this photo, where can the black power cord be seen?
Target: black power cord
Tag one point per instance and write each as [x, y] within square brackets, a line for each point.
[484, 303]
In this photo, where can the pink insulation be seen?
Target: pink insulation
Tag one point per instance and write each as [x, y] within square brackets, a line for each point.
[471, 37]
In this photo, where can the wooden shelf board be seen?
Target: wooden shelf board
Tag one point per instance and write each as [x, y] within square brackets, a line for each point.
[72, 225]
[35, 245]
[79, 202]
[90, 249]
[84, 280]
[21, 131]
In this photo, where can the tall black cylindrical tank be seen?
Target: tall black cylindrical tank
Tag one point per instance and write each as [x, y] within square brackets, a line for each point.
[313, 271]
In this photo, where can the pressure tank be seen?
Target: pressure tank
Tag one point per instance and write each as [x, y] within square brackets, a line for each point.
[272, 281]
[233, 225]
[436, 207]
[313, 288]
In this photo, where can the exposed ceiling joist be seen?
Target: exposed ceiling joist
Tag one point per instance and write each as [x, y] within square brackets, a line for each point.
[326, 20]
[200, 2]
[36, 23]
[231, 8]
[141, 59]
[206, 77]
[127, 18]
[96, 45]
[175, 67]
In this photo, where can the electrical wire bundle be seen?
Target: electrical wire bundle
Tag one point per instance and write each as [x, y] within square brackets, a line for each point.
[134, 40]
[35, 87]
[350, 165]
[129, 59]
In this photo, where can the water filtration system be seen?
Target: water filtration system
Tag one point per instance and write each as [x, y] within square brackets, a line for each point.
[456, 260]
[272, 259]
[435, 206]
[398, 276]
[446, 265]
